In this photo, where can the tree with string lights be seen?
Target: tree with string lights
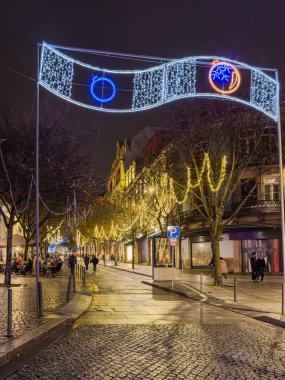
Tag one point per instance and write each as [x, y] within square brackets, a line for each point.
[216, 151]
[65, 166]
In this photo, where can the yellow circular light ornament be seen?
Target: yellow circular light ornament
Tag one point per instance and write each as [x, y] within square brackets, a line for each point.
[224, 77]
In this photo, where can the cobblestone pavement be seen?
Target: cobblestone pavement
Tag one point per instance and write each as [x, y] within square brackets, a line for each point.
[133, 332]
[24, 301]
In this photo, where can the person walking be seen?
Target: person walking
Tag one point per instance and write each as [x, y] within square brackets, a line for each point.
[86, 261]
[224, 268]
[253, 266]
[260, 267]
[72, 262]
[94, 261]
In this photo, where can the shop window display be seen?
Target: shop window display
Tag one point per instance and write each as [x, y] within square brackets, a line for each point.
[163, 252]
[201, 254]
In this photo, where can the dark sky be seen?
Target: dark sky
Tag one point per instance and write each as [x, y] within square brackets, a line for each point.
[251, 31]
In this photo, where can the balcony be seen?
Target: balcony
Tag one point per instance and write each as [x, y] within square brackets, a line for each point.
[258, 207]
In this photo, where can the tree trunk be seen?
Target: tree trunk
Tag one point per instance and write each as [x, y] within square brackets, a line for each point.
[217, 262]
[133, 252]
[9, 249]
[115, 254]
[26, 249]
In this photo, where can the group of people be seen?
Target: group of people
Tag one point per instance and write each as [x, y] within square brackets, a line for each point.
[93, 260]
[19, 266]
[257, 263]
[52, 265]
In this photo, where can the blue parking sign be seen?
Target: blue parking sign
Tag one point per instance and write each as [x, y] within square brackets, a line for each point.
[173, 232]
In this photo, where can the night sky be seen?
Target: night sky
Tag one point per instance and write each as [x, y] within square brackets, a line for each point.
[251, 31]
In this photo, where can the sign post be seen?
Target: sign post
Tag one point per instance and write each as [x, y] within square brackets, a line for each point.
[173, 232]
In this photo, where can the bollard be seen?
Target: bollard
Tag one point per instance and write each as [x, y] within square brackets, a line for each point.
[201, 283]
[9, 324]
[235, 289]
[84, 277]
[74, 282]
[283, 299]
[40, 295]
[68, 289]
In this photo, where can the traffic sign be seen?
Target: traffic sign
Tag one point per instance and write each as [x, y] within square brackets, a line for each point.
[172, 241]
[173, 232]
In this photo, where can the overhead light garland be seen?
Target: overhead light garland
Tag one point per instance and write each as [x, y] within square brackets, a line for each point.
[152, 87]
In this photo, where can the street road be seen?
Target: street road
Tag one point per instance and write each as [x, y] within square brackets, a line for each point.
[132, 331]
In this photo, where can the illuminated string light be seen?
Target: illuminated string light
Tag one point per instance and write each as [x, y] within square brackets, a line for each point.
[264, 93]
[148, 88]
[159, 85]
[205, 165]
[181, 79]
[227, 75]
[56, 71]
[216, 188]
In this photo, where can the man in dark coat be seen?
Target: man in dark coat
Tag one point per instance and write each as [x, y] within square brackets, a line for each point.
[94, 261]
[260, 267]
[72, 262]
[86, 261]
[253, 266]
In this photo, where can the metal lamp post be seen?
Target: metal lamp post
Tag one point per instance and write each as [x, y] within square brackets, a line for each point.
[38, 284]
[281, 185]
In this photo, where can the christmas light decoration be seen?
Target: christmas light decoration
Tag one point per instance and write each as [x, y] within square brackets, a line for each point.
[181, 79]
[56, 71]
[148, 88]
[158, 85]
[264, 93]
[205, 165]
[101, 80]
[224, 77]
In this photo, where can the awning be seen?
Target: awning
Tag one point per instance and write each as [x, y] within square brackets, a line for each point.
[17, 241]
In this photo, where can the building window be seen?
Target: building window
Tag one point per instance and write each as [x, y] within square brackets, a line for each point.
[246, 186]
[271, 192]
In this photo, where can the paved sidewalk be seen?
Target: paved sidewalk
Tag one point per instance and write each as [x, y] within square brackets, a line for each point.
[260, 300]
[24, 301]
[32, 334]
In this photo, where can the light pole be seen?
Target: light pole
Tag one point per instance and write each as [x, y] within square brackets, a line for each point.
[38, 284]
[281, 185]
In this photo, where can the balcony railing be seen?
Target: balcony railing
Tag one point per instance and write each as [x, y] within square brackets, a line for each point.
[254, 206]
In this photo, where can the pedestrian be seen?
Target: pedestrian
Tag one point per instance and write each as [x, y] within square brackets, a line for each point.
[224, 268]
[253, 266]
[86, 261]
[94, 261]
[260, 267]
[72, 262]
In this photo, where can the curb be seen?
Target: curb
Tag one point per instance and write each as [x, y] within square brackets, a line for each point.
[17, 351]
[262, 318]
[126, 270]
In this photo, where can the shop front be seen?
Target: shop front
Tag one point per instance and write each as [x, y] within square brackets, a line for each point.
[236, 249]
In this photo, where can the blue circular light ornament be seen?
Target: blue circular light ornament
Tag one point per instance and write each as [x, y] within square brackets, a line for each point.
[224, 77]
[109, 84]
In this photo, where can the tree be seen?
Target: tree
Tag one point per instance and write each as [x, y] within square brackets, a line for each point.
[217, 151]
[66, 167]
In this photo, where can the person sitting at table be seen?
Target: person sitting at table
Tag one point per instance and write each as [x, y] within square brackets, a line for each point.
[20, 260]
[15, 268]
[28, 267]
[56, 267]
